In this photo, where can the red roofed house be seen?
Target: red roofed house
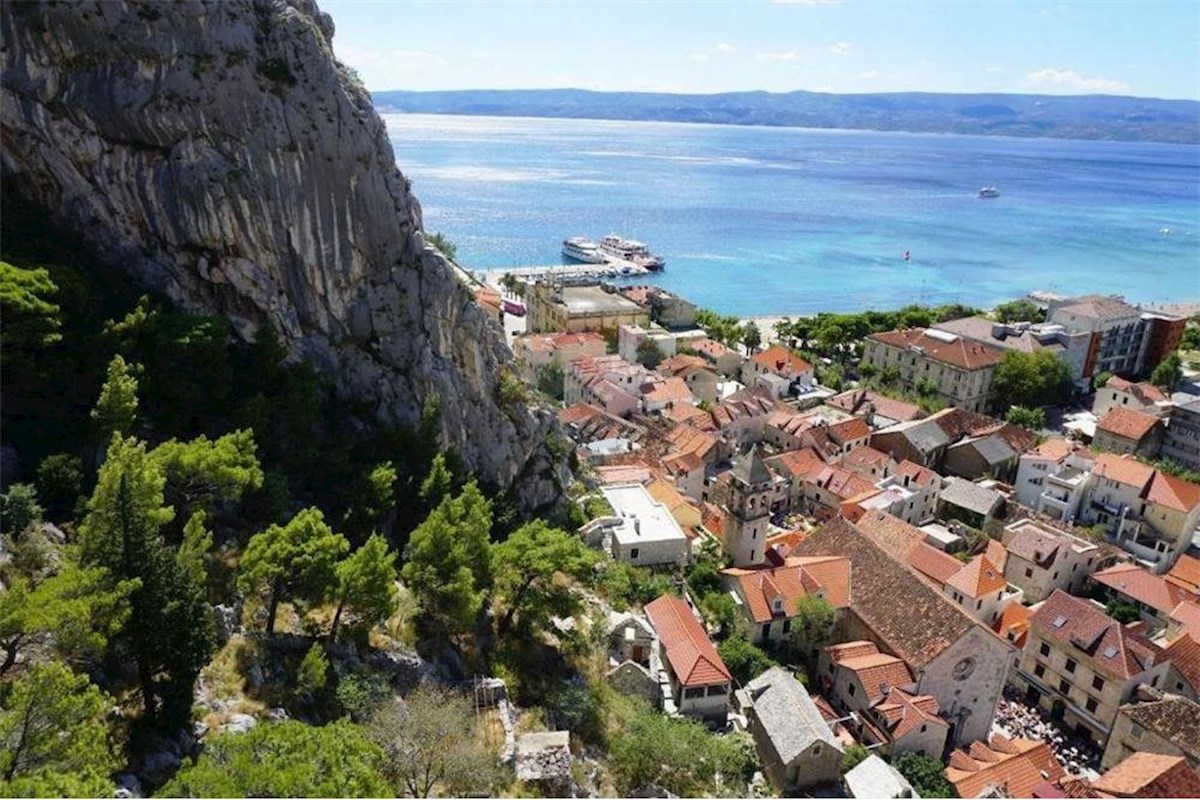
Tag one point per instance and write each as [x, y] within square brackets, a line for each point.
[767, 595]
[1153, 595]
[981, 590]
[536, 350]
[1148, 513]
[779, 362]
[959, 367]
[1123, 430]
[725, 361]
[699, 680]
[1149, 775]
[1002, 768]
[1081, 665]
[1120, 393]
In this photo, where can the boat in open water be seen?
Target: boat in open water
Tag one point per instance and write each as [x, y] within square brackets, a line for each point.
[989, 191]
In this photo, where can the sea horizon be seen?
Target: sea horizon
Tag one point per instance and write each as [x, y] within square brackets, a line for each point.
[822, 217]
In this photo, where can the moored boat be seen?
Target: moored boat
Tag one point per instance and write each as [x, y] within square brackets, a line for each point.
[579, 248]
[631, 250]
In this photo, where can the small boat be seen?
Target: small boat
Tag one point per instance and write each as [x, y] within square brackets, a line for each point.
[578, 248]
[907, 255]
[989, 191]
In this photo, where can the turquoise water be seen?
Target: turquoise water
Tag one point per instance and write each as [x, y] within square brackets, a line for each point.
[756, 221]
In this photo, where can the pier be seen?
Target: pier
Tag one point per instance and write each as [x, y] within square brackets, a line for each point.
[615, 268]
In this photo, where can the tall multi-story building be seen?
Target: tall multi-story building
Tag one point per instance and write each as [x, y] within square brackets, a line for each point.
[1026, 337]
[751, 489]
[1124, 339]
[1081, 665]
[960, 368]
[1181, 440]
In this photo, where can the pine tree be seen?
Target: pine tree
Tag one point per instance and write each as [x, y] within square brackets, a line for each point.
[525, 566]
[171, 633]
[192, 555]
[296, 561]
[116, 410]
[366, 582]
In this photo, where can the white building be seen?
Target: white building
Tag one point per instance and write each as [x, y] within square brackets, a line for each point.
[643, 531]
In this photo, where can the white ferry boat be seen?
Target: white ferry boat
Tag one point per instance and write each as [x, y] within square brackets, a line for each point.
[629, 250]
[578, 248]
[989, 191]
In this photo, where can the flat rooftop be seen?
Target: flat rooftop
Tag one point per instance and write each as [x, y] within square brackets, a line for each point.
[594, 300]
[644, 519]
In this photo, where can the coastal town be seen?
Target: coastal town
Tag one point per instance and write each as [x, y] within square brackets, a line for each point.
[958, 545]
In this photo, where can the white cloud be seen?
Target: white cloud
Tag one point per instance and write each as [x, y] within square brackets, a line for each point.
[780, 57]
[869, 74]
[1069, 79]
[722, 47]
[699, 57]
[840, 48]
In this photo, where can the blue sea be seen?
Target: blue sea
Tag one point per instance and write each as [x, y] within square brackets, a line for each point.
[759, 221]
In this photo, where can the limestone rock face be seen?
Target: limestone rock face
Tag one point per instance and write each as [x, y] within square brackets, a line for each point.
[219, 153]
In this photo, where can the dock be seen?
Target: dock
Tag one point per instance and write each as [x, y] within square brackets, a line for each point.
[615, 268]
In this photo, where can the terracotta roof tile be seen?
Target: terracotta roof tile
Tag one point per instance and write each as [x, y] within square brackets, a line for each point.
[670, 390]
[914, 620]
[1146, 393]
[1187, 616]
[1113, 648]
[1150, 775]
[903, 712]
[865, 456]
[850, 429]
[933, 563]
[1055, 448]
[959, 352]
[978, 578]
[1012, 767]
[1143, 586]
[1186, 572]
[799, 464]
[781, 361]
[1184, 652]
[1123, 469]
[921, 476]
[1127, 423]
[1172, 492]
[842, 482]
[996, 553]
[877, 671]
[1174, 718]
[760, 586]
[692, 656]
[1013, 624]
[895, 536]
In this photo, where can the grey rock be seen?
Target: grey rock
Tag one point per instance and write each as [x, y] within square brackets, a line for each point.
[226, 618]
[255, 677]
[128, 785]
[220, 154]
[277, 714]
[239, 723]
[53, 533]
[199, 730]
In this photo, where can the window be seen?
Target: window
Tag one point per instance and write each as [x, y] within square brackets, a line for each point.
[715, 691]
[1098, 683]
[1040, 670]
[1044, 649]
[693, 692]
[816, 749]
[851, 690]
[787, 625]
[1055, 576]
[633, 553]
[1092, 704]
[1064, 687]
[1028, 572]
[1071, 665]
[766, 630]
[924, 728]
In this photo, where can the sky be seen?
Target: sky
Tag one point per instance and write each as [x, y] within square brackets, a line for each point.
[1143, 48]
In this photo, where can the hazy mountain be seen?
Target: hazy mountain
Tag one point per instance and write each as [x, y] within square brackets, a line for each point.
[1078, 117]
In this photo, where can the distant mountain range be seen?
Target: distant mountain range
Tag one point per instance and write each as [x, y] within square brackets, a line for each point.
[1075, 117]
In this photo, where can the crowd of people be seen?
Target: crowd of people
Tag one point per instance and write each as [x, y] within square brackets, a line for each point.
[1016, 718]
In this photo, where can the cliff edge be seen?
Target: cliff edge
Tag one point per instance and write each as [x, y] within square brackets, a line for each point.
[220, 154]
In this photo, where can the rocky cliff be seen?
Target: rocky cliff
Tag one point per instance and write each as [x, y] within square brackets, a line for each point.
[219, 153]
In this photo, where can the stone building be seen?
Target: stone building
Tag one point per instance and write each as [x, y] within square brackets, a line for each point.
[797, 747]
[556, 307]
[1156, 722]
[960, 369]
[698, 682]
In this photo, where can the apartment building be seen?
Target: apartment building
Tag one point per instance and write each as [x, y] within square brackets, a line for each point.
[1181, 440]
[960, 368]
[1081, 665]
[1039, 559]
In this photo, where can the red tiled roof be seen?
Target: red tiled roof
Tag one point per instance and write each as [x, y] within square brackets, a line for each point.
[800, 464]
[1145, 774]
[1114, 648]
[1186, 573]
[1143, 586]
[1012, 766]
[759, 586]
[1187, 615]
[876, 671]
[903, 712]
[671, 390]
[690, 652]
[781, 361]
[996, 553]
[1055, 448]
[1123, 469]
[1127, 423]
[978, 578]
[682, 413]
[1147, 393]
[865, 456]
[1184, 652]
[711, 348]
[1167, 490]
[842, 482]
[960, 352]
[681, 463]
[688, 439]
[850, 429]
[931, 562]
[1015, 621]
[921, 476]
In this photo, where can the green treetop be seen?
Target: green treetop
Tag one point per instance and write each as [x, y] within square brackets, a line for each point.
[525, 566]
[366, 583]
[204, 471]
[296, 561]
[192, 555]
[1168, 373]
[77, 609]
[285, 759]
[52, 722]
[1030, 379]
[449, 559]
[19, 508]
[116, 410]
[31, 320]
[926, 774]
